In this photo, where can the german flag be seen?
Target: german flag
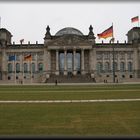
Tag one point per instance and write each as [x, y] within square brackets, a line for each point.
[107, 33]
[28, 58]
[135, 19]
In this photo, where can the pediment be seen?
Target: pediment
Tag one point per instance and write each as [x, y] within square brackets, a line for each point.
[69, 40]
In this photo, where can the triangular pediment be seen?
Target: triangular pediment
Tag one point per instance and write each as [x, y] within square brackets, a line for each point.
[69, 40]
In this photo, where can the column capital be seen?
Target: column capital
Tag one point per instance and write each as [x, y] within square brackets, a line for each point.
[82, 62]
[65, 62]
[57, 62]
[65, 49]
[74, 61]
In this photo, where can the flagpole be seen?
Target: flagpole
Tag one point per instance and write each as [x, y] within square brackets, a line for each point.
[138, 20]
[0, 21]
[22, 71]
[31, 70]
[113, 68]
[29, 67]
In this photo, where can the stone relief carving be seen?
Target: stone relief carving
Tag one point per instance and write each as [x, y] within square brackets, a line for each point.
[69, 40]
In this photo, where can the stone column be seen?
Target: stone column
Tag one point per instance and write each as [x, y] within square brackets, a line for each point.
[91, 60]
[74, 61]
[94, 60]
[49, 62]
[57, 63]
[110, 62]
[103, 60]
[4, 64]
[21, 65]
[82, 62]
[45, 60]
[135, 60]
[65, 61]
[118, 62]
[126, 64]
[36, 63]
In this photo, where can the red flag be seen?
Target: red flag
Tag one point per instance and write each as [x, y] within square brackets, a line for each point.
[28, 58]
[107, 33]
[135, 19]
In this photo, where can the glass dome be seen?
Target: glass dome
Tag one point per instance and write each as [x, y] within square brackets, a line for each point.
[68, 30]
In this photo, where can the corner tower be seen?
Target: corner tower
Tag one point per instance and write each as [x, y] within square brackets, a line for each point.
[5, 37]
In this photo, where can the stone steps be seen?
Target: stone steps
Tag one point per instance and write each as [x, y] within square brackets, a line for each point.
[70, 79]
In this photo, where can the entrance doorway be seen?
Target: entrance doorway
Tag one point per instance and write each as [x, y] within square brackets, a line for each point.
[69, 62]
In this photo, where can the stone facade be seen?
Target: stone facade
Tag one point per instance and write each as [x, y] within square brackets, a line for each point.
[69, 53]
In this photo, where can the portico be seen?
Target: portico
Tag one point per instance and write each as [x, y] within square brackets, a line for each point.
[70, 61]
[67, 50]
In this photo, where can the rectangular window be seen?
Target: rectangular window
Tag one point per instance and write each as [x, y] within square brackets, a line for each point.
[17, 57]
[40, 56]
[106, 55]
[99, 55]
[33, 57]
[129, 55]
[122, 56]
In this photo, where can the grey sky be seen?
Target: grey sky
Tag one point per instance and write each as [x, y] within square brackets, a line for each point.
[29, 20]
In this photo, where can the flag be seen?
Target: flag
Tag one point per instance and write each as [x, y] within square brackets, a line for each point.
[28, 58]
[22, 40]
[107, 33]
[12, 58]
[135, 19]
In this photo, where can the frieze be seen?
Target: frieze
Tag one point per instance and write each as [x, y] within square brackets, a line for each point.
[69, 40]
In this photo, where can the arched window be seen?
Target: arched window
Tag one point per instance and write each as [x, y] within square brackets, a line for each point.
[25, 68]
[106, 67]
[99, 67]
[130, 67]
[122, 67]
[17, 68]
[33, 67]
[115, 66]
[10, 68]
[40, 67]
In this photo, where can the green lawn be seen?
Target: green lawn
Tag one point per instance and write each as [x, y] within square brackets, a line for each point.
[70, 119]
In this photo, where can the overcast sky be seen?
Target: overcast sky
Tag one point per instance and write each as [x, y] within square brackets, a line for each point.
[28, 20]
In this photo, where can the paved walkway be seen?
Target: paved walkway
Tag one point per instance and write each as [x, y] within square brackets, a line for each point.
[74, 84]
[69, 101]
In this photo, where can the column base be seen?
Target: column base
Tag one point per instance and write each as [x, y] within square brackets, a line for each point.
[4, 76]
[57, 73]
[65, 73]
[74, 72]
[83, 72]
[92, 75]
[47, 76]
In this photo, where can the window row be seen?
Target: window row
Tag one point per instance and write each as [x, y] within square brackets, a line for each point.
[108, 55]
[17, 57]
[107, 67]
[26, 67]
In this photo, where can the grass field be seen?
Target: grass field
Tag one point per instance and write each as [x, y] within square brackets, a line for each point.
[70, 119]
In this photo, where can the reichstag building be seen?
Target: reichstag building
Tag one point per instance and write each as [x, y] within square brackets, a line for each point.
[69, 56]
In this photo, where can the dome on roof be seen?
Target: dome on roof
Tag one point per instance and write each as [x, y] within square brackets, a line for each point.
[67, 31]
[4, 30]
